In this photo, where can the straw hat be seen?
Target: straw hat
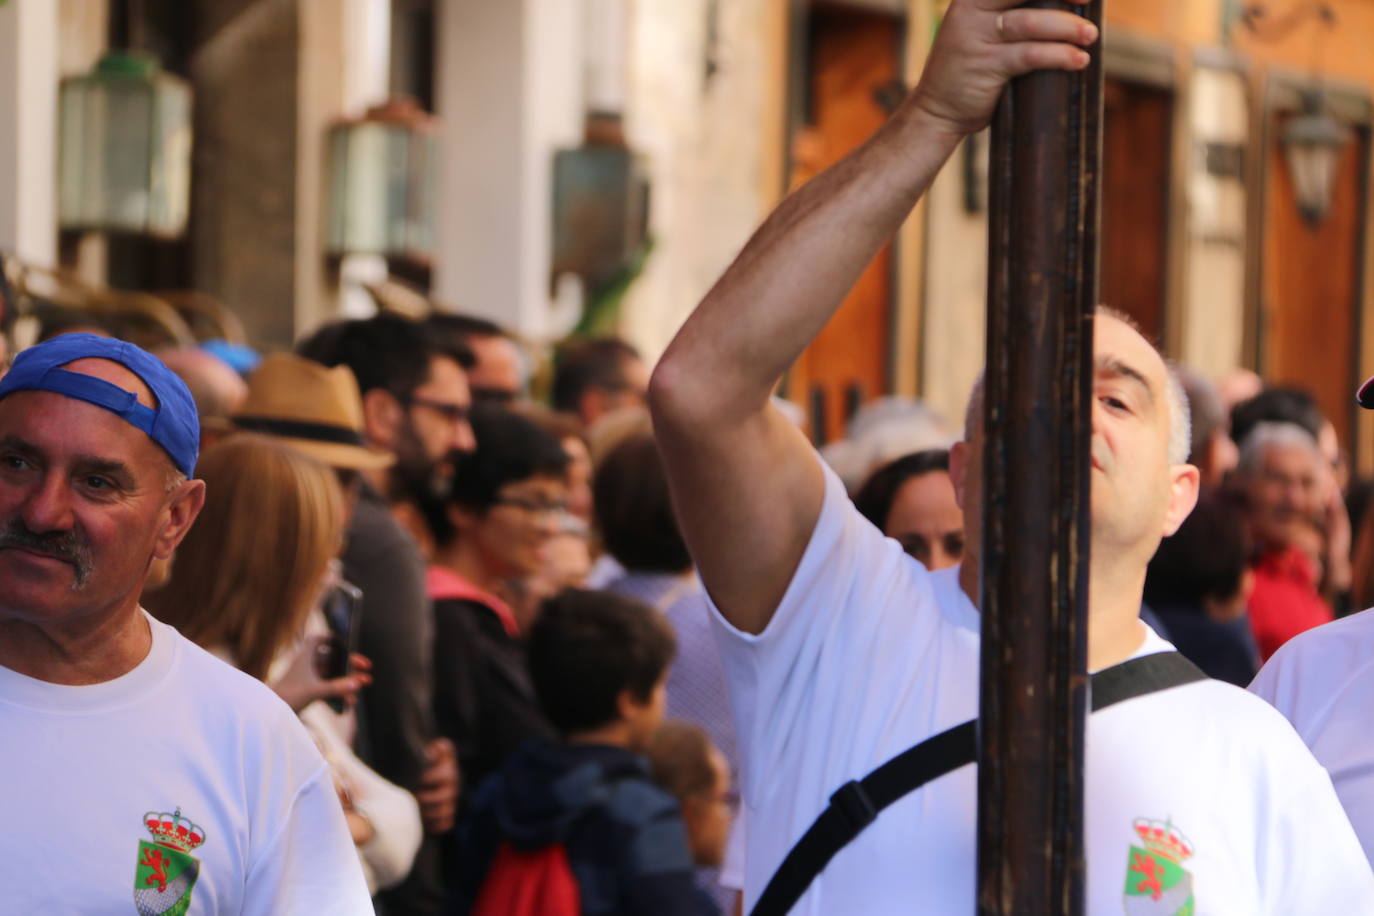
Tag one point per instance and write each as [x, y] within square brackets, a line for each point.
[313, 409]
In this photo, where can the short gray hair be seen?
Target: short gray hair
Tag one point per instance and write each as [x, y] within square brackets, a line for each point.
[1270, 434]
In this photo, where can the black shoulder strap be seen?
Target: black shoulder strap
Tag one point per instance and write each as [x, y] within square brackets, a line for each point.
[857, 803]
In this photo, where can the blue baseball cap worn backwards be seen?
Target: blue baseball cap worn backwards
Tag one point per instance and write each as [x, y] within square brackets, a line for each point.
[173, 424]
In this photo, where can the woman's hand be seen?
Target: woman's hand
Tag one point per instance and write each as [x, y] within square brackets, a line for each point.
[300, 683]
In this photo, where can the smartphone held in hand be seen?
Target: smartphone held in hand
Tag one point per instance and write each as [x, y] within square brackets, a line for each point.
[342, 607]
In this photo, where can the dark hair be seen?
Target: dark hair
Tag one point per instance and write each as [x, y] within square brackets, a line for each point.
[1205, 558]
[596, 363]
[386, 351]
[587, 647]
[559, 425]
[1277, 405]
[458, 327]
[510, 448]
[874, 499]
[634, 510]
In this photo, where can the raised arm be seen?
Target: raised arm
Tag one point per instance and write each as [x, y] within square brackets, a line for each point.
[746, 485]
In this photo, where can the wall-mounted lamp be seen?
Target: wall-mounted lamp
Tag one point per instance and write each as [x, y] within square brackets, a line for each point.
[1312, 139]
[1312, 143]
[124, 162]
[381, 182]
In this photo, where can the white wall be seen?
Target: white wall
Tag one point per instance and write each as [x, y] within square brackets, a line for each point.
[704, 143]
[28, 129]
[1213, 315]
[509, 93]
[953, 335]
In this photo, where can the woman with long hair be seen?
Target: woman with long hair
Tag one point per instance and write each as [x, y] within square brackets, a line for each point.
[244, 584]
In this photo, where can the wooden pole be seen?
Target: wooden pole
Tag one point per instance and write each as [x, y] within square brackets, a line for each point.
[1042, 289]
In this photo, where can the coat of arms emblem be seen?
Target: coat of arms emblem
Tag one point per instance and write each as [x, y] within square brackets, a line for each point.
[1156, 882]
[166, 872]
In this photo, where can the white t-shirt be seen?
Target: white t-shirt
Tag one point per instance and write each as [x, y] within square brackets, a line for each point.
[868, 654]
[1323, 682]
[182, 739]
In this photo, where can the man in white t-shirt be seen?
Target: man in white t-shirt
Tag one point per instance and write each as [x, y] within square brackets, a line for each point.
[138, 773]
[842, 652]
[1323, 682]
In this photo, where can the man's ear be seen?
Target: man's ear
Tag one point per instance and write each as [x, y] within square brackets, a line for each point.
[383, 415]
[185, 505]
[627, 704]
[958, 470]
[1183, 492]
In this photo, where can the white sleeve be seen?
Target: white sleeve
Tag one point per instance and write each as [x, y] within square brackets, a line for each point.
[856, 621]
[1308, 858]
[310, 865]
[395, 818]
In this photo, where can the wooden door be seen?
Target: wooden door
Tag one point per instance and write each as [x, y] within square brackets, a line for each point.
[1311, 285]
[852, 65]
[1136, 141]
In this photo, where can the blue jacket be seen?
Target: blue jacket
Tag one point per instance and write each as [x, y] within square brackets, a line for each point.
[623, 835]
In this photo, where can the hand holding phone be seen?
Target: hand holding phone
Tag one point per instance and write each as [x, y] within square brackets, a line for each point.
[342, 606]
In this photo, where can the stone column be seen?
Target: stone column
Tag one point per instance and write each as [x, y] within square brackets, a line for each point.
[510, 92]
[28, 129]
[269, 77]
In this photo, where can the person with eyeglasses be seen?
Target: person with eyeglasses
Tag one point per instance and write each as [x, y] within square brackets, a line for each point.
[508, 500]
[499, 373]
[415, 402]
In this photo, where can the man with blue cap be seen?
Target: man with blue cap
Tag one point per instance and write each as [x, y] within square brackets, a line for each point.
[139, 764]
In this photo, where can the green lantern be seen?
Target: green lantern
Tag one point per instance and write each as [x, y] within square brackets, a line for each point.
[125, 148]
[382, 182]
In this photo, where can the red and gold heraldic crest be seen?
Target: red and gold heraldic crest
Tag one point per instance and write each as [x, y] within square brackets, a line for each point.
[166, 872]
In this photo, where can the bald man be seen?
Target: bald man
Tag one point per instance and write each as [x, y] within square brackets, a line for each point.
[131, 756]
[842, 652]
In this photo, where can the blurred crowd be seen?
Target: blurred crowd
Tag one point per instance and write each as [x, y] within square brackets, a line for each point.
[481, 607]
[402, 543]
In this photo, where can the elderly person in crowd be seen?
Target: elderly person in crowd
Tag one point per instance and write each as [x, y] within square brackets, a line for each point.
[182, 776]
[1281, 476]
[1322, 681]
[246, 580]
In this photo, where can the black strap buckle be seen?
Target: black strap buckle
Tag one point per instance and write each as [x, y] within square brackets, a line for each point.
[853, 805]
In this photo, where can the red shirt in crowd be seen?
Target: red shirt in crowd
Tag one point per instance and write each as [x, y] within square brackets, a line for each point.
[1285, 600]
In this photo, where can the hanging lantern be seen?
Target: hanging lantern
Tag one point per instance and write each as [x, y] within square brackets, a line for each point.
[1312, 142]
[382, 182]
[125, 148]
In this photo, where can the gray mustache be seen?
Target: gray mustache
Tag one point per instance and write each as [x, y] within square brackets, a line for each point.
[68, 546]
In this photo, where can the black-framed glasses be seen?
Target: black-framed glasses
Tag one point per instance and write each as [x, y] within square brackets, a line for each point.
[454, 413]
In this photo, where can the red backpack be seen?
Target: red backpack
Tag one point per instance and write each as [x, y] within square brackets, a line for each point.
[538, 882]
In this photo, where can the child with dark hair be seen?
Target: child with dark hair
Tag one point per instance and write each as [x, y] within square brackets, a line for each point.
[1198, 583]
[582, 814]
